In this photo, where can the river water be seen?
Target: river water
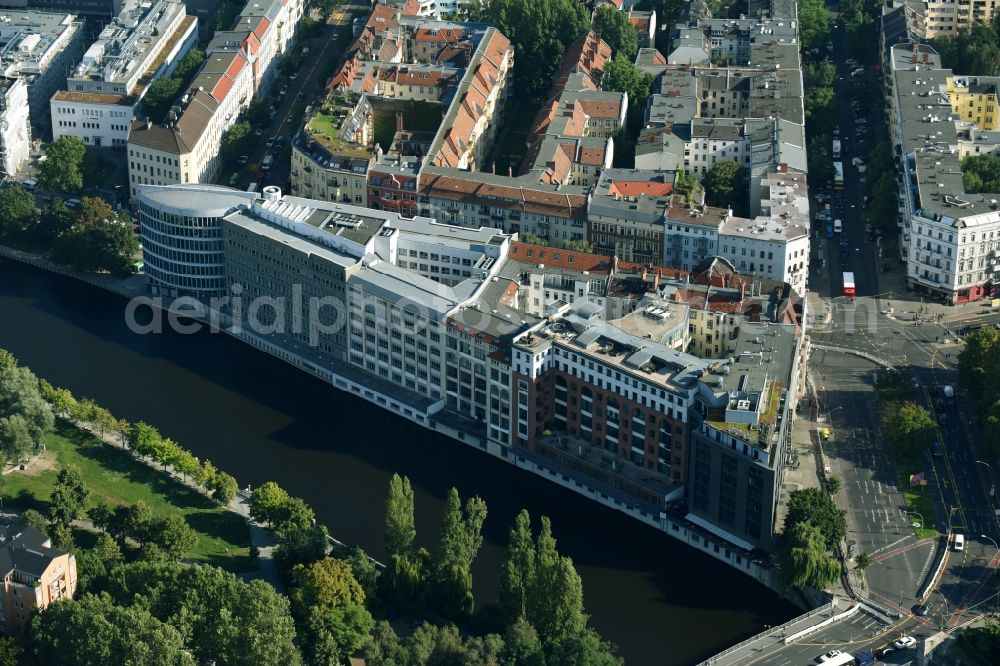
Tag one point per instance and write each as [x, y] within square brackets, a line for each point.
[662, 602]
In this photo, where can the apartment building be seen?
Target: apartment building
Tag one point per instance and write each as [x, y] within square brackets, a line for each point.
[951, 236]
[739, 448]
[34, 575]
[100, 10]
[936, 18]
[184, 148]
[571, 360]
[143, 43]
[468, 128]
[15, 125]
[42, 49]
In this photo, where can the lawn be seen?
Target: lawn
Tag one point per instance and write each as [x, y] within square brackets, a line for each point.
[115, 477]
[918, 498]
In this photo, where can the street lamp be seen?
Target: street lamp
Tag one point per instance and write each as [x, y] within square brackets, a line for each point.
[917, 514]
[993, 488]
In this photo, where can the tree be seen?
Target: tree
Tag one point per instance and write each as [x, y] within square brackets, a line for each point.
[10, 652]
[724, 185]
[93, 631]
[124, 430]
[131, 522]
[977, 362]
[25, 417]
[400, 528]
[294, 514]
[160, 95]
[69, 497]
[185, 463]
[329, 603]
[144, 439]
[238, 140]
[814, 24]
[205, 474]
[222, 618]
[579, 246]
[814, 506]
[17, 211]
[104, 421]
[326, 583]
[621, 75]
[461, 539]
[266, 501]
[62, 170]
[518, 573]
[584, 648]
[301, 546]
[804, 559]
[404, 581]
[92, 211]
[330, 635]
[522, 646]
[224, 488]
[62, 536]
[981, 173]
[834, 484]
[534, 239]
[364, 571]
[34, 518]
[616, 30]
[862, 561]
[172, 535]
[555, 597]
[974, 51]
[101, 515]
[909, 428]
[539, 30]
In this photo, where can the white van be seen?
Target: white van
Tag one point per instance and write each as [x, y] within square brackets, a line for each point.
[959, 544]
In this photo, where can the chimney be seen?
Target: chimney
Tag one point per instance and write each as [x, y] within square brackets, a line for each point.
[743, 292]
[614, 265]
[510, 172]
[399, 121]
[494, 168]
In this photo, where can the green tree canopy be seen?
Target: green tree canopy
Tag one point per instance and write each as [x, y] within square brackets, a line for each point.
[909, 428]
[266, 501]
[17, 211]
[725, 185]
[238, 140]
[814, 24]
[815, 506]
[69, 496]
[973, 51]
[540, 31]
[25, 417]
[301, 546]
[400, 528]
[94, 631]
[222, 618]
[979, 362]
[981, 173]
[804, 559]
[62, 170]
[461, 539]
[616, 30]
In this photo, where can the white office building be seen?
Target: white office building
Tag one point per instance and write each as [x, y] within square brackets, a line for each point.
[140, 45]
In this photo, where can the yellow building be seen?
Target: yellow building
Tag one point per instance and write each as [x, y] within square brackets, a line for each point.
[974, 99]
[34, 575]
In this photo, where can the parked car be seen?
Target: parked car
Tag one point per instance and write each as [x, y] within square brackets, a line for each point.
[29, 185]
[283, 91]
[72, 203]
[244, 159]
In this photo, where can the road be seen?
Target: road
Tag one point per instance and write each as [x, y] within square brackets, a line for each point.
[306, 88]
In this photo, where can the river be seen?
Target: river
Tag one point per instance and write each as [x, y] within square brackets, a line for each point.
[662, 602]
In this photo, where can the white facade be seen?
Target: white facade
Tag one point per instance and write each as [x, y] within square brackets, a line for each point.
[15, 130]
[768, 256]
[191, 136]
[144, 43]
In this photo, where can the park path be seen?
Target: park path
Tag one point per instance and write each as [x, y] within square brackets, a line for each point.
[261, 537]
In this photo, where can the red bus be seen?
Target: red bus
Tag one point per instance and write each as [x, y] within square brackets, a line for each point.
[849, 285]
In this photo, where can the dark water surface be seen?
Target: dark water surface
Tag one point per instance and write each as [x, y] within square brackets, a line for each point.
[662, 602]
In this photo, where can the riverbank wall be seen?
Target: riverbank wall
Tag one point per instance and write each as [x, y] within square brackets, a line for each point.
[430, 415]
